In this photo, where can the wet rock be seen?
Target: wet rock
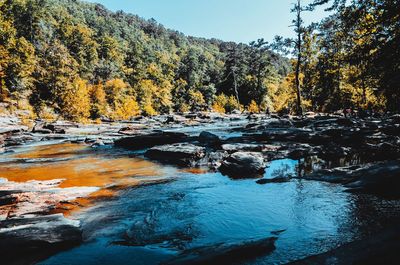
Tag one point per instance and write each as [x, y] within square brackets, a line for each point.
[378, 248]
[235, 147]
[300, 151]
[279, 123]
[176, 119]
[181, 154]
[274, 180]
[55, 128]
[333, 151]
[128, 131]
[226, 253]
[40, 128]
[243, 165]
[149, 140]
[379, 178]
[26, 240]
[212, 160]
[19, 139]
[209, 139]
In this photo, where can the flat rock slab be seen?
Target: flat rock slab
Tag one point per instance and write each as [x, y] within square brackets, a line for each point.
[381, 178]
[150, 140]
[182, 154]
[25, 240]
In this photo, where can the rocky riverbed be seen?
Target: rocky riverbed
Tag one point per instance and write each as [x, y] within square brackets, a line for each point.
[57, 178]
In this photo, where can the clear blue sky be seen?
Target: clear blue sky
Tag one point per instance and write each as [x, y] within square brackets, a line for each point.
[229, 20]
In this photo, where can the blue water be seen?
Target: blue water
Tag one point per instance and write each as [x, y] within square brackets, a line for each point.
[152, 224]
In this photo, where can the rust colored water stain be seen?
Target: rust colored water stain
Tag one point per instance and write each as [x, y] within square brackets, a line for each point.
[64, 150]
[195, 170]
[83, 168]
[91, 170]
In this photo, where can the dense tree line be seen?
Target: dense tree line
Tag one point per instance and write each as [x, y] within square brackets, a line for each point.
[79, 61]
[348, 60]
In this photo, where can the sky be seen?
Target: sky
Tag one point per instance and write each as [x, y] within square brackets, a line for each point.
[228, 20]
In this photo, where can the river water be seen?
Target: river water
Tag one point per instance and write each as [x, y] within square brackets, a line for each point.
[132, 221]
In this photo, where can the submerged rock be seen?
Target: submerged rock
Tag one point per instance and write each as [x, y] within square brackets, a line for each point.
[181, 154]
[153, 139]
[274, 180]
[243, 165]
[226, 253]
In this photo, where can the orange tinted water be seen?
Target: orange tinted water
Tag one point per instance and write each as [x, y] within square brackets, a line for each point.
[88, 170]
[83, 168]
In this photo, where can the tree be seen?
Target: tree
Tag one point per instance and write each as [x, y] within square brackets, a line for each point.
[299, 29]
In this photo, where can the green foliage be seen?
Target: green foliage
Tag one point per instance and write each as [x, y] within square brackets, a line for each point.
[56, 51]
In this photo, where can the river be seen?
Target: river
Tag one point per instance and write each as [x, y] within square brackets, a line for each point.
[147, 213]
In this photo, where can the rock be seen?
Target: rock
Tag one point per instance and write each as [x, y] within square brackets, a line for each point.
[128, 131]
[246, 147]
[212, 160]
[28, 240]
[378, 178]
[279, 123]
[243, 165]
[181, 154]
[40, 128]
[273, 180]
[300, 152]
[226, 253]
[16, 140]
[149, 140]
[176, 119]
[209, 139]
[377, 248]
[54, 128]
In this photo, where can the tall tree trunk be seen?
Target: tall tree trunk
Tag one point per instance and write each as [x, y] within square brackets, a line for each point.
[299, 110]
[235, 85]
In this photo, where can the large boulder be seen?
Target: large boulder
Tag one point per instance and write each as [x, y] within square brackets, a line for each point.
[243, 165]
[180, 154]
[209, 139]
[153, 139]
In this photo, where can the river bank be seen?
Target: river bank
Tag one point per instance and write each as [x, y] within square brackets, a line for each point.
[54, 172]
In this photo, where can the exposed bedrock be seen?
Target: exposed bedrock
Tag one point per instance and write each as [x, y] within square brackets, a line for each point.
[153, 139]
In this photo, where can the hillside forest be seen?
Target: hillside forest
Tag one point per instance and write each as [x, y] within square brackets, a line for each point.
[79, 61]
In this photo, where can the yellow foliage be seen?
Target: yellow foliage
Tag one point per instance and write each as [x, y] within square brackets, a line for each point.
[219, 103]
[113, 89]
[125, 108]
[232, 104]
[98, 101]
[253, 107]
[284, 97]
[223, 104]
[75, 101]
[184, 108]
[148, 110]
[196, 100]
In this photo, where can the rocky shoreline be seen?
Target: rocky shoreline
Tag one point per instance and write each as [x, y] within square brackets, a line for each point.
[360, 154]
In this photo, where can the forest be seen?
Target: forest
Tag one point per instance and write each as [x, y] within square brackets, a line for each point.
[80, 61]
